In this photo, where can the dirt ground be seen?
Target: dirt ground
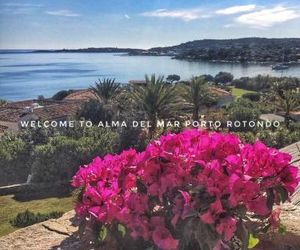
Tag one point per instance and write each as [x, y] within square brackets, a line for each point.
[290, 217]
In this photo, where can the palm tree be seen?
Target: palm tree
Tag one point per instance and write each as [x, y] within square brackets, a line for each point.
[287, 99]
[156, 99]
[195, 94]
[106, 90]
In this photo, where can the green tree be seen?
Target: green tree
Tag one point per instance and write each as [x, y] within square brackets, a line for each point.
[195, 94]
[287, 99]
[106, 90]
[173, 78]
[14, 160]
[60, 95]
[156, 99]
[223, 77]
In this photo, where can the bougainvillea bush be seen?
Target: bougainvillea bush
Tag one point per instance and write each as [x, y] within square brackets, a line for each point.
[192, 190]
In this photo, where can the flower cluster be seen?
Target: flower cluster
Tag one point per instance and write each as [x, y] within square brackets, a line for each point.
[210, 177]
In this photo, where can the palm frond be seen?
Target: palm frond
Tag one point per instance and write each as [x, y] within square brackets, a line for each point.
[155, 98]
[106, 89]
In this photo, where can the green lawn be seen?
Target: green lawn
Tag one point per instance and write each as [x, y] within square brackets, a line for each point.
[236, 92]
[9, 208]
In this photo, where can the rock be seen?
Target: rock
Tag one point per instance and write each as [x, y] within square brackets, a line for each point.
[64, 225]
[52, 234]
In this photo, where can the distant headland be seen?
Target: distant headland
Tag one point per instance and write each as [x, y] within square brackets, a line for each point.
[243, 50]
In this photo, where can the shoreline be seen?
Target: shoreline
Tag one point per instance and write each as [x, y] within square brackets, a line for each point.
[172, 57]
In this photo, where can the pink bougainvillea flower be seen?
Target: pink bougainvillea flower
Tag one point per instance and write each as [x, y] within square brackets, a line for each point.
[130, 181]
[227, 227]
[139, 227]
[274, 218]
[190, 174]
[241, 190]
[234, 164]
[211, 215]
[288, 176]
[137, 203]
[81, 209]
[163, 239]
[99, 212]
[186, 209]
[258, 206]
[156, 221]
[91, 195]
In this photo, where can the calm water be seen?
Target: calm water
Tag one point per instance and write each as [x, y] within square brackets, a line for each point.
[27, 75]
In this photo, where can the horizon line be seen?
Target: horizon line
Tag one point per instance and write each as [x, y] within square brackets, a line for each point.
[126, 47]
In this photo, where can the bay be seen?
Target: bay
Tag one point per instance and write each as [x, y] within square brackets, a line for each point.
[28, 75]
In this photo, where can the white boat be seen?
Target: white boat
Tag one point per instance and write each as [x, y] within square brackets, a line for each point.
[280, 66]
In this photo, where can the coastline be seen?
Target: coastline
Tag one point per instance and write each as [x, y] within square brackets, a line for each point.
[125, 53]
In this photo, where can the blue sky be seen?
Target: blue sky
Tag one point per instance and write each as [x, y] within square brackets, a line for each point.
[140, 23]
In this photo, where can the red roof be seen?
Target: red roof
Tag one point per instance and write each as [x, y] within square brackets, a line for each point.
[11, 114]
[81, 95]
[48, 110]
[219, 91]
[57, 111]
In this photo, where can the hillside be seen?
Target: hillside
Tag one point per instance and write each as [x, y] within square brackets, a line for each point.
[252, 49]
[235, 50]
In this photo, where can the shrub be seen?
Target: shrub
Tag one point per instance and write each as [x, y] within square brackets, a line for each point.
[257, 83]
[254, 97]
[193, 190]
[60, 95]
[58, 159]
[207, 78]
[95, 112]
[243, 110]
[132, 138]
[276, 138]
[14, 160]
[28, 218]
[223, 77]
[279, 138]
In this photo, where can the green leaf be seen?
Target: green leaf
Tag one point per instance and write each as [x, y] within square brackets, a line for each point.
[102, 233]
[282, 229]
[252, 242]
[122, 229]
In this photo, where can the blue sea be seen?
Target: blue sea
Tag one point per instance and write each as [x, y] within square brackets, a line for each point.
[25, 75]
